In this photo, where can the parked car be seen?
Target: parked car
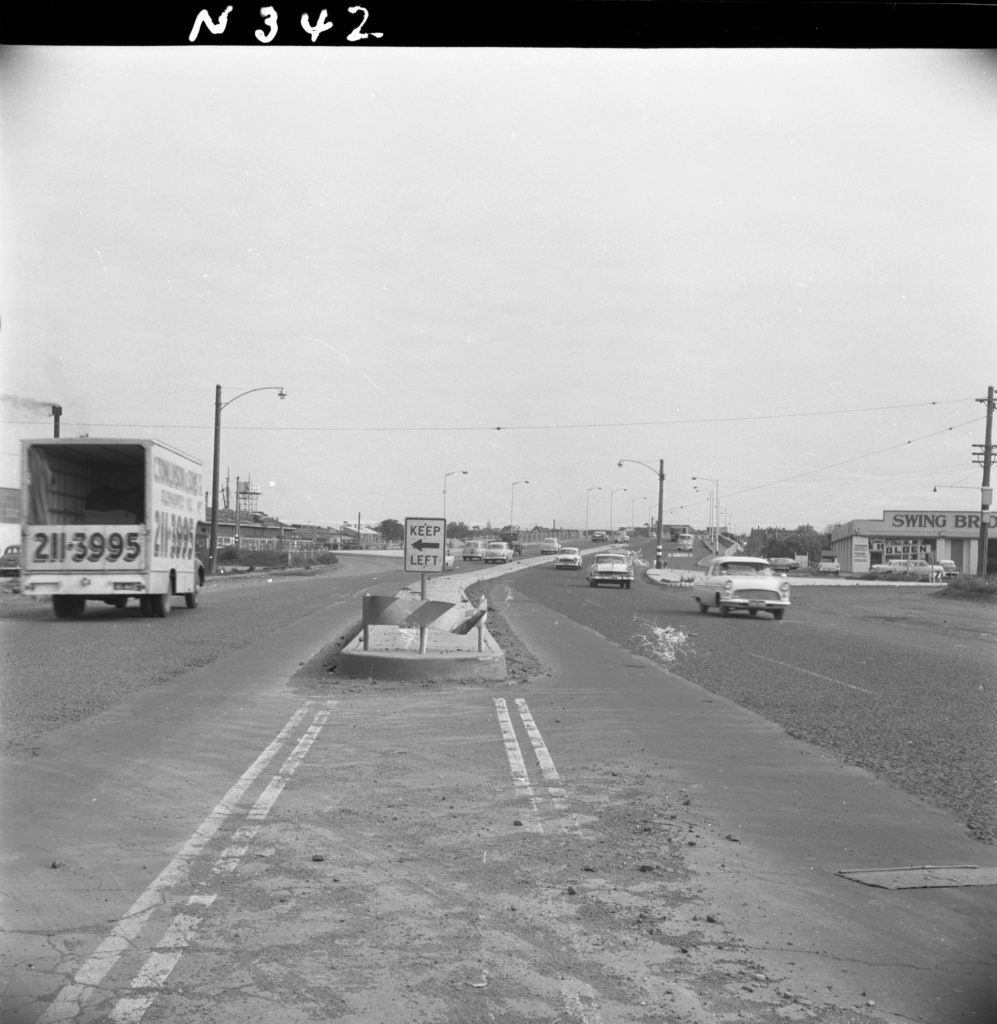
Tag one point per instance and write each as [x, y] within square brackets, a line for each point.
[10, 561]
[916, 567]
[948, 568]
[743, 583]
[784, 564]
[612, 567]
[473, 549]
[550, 546]
[568, 558]
[828, 566]
[497, 551]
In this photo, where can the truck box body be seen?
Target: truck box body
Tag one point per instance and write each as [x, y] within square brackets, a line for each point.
[109, 519]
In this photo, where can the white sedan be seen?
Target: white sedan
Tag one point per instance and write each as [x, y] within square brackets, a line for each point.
[741, 582]
[568, 558]
[612, 567]
[550, 546]
[497, 551]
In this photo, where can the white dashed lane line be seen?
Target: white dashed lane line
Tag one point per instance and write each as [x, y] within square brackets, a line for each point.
[68, 1003]
[816, 675]
[520, 773]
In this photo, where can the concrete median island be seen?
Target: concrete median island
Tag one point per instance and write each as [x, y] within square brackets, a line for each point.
[458, 646]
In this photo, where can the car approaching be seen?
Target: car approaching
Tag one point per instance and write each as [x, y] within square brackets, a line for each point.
[598, 536]
[10, 561]
[497, 551]
[741, 583]
[550, 546]
[828, 566]
[568, 558]
[613, 567]
[473, 549]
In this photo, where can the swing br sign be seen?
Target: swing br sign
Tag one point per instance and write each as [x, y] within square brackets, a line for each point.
[425, 545]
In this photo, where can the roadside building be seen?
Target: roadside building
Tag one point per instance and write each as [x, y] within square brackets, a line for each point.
[10, 516]
[862, 543]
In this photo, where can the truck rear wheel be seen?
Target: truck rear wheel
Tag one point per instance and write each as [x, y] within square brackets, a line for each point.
[161, 604]
[67, 606]
[191, 598]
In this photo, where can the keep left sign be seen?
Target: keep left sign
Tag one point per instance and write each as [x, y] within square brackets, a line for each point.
[425, 545]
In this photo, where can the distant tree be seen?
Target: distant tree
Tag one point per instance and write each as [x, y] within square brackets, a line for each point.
[459, 531]
[778, 542]
[391, 530]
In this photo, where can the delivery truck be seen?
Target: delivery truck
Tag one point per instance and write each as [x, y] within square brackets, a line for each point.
[110, 519]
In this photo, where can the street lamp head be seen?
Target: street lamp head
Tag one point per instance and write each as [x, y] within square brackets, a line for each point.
[282, 393]
[620, 464]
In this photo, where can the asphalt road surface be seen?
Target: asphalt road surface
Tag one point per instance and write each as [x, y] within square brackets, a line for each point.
[202, 822]
[896, 680]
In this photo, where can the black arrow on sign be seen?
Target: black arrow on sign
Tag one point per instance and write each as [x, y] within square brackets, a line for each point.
[420, 544]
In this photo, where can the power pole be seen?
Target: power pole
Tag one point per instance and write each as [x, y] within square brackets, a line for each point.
[986, 492]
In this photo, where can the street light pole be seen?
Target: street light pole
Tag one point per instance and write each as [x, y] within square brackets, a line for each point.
[618, 490]
[716, 503]
[587, 493]
[659, 557]
[512, 502]
[445, 475]
[219, 405]
[709, 508]
[633, 505]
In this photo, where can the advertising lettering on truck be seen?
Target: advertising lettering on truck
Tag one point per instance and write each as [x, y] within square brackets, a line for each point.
[110, 519]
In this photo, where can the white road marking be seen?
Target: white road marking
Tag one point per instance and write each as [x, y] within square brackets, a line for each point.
[67, 1004]
[816, 675]
[517, 765]
[159, 965]
[545, 761]
[232, 854]
[276, 785]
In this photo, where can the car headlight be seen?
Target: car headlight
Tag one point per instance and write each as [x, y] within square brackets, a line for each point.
[784, 589]
[729, 588]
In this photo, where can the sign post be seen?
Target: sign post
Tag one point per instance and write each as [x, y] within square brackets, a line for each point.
[425, 551]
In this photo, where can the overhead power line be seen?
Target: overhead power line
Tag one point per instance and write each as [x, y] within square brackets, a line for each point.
[841, 462]
[408, 429]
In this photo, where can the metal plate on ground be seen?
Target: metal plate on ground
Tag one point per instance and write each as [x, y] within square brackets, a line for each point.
[924, 877]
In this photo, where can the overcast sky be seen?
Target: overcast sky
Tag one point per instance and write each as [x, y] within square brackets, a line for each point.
[769, 268]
